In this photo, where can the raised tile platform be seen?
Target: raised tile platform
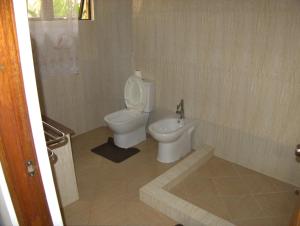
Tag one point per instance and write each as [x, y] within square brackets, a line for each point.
[156, 193]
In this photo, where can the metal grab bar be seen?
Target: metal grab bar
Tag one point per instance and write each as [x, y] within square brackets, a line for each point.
[54, 137]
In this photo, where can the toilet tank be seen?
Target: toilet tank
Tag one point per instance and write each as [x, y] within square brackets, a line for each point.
[149, 95]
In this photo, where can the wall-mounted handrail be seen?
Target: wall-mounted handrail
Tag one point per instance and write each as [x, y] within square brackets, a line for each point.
[54, 137]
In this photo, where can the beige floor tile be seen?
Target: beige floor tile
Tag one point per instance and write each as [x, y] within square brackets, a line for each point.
[243, 171]
[86, 160]
[108, 214]
[77, 213]
[126, 212]
[196, 186]
[90, 139]
[277, 204]
[221, 168]
[230, 186]
[112, 171]
[107, 201]
[135, 183]
[259, 183]
[109, 192]
[281, 186]
[204, 171]
[137, 213]
[211, 203]
[193, 189]
[243, 207]
[271, 221]
[179, 190]
[87, 184]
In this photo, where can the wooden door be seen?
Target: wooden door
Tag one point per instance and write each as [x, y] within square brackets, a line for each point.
[296, 216]
[16, 142]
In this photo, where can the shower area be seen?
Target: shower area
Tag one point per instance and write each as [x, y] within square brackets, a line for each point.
[235, 64]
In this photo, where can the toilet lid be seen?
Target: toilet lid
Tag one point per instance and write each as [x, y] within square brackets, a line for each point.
[134, 93]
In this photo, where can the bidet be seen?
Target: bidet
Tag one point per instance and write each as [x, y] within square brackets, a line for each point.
[174, 138]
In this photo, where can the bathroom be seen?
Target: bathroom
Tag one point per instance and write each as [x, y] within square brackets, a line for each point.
[234, 63]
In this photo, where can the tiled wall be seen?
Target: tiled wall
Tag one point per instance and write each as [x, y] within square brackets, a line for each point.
[237, 65]
[105, 62]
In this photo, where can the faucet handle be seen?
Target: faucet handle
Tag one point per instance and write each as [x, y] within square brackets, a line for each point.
[180, 104]
[297, 151]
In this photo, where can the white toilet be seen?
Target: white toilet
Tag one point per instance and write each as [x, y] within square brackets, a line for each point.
[129, 125]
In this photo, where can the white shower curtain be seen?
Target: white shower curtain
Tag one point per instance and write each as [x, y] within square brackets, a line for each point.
[55, 44]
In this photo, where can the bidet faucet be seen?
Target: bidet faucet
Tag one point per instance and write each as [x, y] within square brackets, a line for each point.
[180, 110]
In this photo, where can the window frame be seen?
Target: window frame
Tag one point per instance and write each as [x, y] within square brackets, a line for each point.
[90, 8]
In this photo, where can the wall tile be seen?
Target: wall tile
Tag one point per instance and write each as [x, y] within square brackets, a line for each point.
[236, 65]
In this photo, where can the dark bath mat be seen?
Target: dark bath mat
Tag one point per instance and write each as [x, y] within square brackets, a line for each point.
[114, 153]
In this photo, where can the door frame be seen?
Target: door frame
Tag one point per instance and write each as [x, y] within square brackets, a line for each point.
[28, 105]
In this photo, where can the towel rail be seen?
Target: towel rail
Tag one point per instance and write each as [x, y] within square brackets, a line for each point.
[54, 139]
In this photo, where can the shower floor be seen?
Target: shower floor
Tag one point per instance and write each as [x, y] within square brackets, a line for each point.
[237, 194]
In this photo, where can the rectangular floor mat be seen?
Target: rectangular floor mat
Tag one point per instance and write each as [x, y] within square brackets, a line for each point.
[114, 153]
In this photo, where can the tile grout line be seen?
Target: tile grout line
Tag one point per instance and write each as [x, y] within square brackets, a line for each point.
[223, 202]
[251, 193]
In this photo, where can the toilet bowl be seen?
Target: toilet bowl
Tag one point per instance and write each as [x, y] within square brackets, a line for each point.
[129, 125]
[174, 138]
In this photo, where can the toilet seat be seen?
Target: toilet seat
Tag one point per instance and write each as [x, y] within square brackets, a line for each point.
[134, 93]
[124, 121]
[123, 116]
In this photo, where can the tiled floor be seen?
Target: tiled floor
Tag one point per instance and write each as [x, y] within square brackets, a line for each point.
[109, 191]
[237, 194]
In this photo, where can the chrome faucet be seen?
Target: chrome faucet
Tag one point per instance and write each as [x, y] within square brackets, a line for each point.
[180, 110]
[297, 151]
